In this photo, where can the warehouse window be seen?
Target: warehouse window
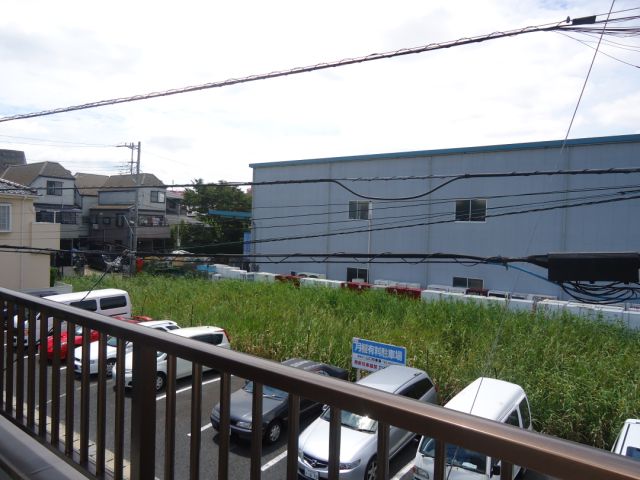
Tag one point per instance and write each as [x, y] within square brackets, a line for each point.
[473, 283]
[361, 274]
[5, 217]
[359, 210]
[474, 210]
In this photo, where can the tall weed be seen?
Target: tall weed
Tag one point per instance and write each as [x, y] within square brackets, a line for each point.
[581, 376]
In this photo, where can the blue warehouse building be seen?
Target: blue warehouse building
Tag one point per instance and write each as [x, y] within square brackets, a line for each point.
[380, 203]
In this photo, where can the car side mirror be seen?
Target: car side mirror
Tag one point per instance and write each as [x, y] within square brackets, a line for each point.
[325, 407]
[495, 470]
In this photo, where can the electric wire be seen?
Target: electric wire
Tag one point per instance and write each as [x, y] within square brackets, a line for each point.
[584, 85]
[601, 52]
[261, 223]
[419, 224]
[566, 25]
[341, 183]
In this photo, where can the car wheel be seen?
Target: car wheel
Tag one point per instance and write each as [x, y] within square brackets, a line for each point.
[372, 469]
[161, 381]
[274, 430]
[109, 366]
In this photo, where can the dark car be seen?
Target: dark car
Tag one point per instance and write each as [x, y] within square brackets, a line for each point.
[275, 405]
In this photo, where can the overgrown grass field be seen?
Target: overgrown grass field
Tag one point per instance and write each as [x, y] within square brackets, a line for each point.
[581, 376]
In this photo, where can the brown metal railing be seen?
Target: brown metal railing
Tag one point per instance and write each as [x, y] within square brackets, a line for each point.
[541, 453]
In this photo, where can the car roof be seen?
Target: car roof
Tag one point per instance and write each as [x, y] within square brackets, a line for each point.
[629, 436]
[392, 378]
[157, 323]
[192, 331]
[76, 296]
[487, 397]
[313, 366]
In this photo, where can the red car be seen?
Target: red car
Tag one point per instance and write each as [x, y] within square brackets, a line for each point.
[94, 336]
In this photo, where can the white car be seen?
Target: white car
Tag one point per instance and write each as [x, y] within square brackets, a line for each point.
[112, 347]
[489, 398]
[209, 334]
[628, 441]
[358, 434]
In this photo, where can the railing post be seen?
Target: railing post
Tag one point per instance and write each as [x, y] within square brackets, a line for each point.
[170, 420]
[143, 412]
[294, 431]
[119, 412]
[439, 463]
[382, 472]
[256, 431]
[335, 426]
[31, 372]
[506, 470]
[196, 416]
[223, 432]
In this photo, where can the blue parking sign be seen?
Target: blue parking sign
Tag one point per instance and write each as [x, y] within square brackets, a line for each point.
[371, 356]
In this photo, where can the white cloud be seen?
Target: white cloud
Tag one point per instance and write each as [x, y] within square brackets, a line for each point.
[503, 91]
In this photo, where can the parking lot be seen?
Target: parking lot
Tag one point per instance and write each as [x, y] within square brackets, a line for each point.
[273, 456]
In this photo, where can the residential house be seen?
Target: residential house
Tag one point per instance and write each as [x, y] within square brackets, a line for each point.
[57, 200]
[128, 207]
[87, 185]
[23, 268]
[412, 204]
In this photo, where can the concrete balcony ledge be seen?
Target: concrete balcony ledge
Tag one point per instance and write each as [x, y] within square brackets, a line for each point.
[23, 457]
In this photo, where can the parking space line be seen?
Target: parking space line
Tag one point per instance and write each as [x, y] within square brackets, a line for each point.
[404, 471]
[206, 427]
[164, 395]
[273, 461]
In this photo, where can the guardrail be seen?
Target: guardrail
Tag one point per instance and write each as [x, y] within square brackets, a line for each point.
[33, 400]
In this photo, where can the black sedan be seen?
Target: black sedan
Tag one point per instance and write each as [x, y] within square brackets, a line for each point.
[275, 406]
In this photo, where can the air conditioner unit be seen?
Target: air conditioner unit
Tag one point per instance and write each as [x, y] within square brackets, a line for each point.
[95, 226]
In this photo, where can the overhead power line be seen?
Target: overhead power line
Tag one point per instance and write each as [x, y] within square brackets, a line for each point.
[581, 25]
[341, 182]
[418, 224]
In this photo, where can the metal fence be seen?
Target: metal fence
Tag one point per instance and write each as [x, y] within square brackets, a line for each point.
[33, 396]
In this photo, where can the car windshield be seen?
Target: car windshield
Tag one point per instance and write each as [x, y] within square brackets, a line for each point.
[456, 456]
[267, 391]
[354, 421]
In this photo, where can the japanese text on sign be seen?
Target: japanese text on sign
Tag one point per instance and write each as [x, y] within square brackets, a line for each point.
[372, 356]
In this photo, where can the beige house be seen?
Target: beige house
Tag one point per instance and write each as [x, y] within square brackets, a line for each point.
[21, 267]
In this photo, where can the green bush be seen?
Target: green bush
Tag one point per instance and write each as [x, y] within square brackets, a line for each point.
[581, 375]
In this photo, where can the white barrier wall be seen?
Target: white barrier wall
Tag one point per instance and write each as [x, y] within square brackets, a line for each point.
[520, 302]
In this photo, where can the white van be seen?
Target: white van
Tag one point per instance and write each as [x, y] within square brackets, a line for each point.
[487, 398]
[628, 441]
[107, 301]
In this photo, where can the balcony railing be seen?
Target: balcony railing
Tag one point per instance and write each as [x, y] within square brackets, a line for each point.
[35, 396]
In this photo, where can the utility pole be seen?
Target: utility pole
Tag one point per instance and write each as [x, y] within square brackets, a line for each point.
[133, 253]
[133, 247]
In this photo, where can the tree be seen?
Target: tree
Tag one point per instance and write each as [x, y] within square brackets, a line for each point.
[216, 229]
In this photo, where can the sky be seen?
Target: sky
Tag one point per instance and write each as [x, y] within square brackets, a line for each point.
[520, 89]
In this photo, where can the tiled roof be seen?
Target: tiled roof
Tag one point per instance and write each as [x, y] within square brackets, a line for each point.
[89, 183]
[145, 180]
[11, 188]
[26, 174]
